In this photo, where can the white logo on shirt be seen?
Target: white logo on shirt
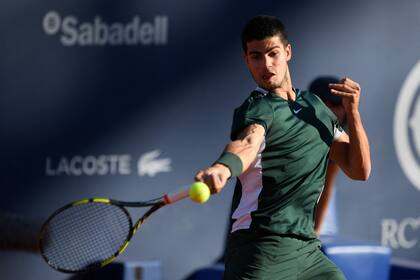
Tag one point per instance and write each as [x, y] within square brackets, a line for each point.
[297, 110]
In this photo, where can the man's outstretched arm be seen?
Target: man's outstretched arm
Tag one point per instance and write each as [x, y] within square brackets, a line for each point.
[236, 158]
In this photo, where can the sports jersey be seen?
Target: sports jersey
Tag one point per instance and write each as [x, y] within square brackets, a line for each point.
[279, 191]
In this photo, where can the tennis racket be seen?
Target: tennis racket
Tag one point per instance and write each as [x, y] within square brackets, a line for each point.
[88, 234]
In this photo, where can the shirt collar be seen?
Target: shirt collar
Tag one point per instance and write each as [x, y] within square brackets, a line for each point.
[264, 91]
[260, 89]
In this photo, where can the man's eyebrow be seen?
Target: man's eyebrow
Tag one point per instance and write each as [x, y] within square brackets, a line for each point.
[266, 51]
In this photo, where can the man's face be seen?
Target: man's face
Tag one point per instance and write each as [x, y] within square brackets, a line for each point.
[267, 61]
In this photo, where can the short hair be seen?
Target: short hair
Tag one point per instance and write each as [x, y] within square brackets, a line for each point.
[261, 27]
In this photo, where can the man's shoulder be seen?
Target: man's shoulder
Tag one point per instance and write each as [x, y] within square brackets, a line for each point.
[322, 111]
[315, 101]
[255, 109]
[312, 97]
[255, 98]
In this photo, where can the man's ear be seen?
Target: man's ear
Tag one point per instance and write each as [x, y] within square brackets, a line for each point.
[288, 50]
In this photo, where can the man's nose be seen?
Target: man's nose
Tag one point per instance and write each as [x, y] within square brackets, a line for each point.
[268, 62]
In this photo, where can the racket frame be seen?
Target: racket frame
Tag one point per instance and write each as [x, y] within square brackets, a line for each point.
[155, 205]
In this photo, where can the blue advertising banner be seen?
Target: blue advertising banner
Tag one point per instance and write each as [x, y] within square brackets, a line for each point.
[129, 99]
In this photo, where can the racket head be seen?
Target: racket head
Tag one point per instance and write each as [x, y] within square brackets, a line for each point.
[85, 235]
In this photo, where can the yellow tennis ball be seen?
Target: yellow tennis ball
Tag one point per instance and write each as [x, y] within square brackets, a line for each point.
[199, 192]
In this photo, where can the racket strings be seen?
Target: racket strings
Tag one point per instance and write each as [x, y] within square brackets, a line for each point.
[85, 235]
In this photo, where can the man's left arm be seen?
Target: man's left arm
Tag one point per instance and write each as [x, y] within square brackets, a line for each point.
[351, 151]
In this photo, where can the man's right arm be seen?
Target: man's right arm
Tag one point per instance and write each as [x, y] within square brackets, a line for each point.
[240, 154]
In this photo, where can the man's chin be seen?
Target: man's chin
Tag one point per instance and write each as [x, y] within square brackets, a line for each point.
[268, 86]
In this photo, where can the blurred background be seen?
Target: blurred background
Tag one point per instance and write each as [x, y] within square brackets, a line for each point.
[128, 99]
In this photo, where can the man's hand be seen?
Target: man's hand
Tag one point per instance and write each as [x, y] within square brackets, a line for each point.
[349, 90]
[215, 177]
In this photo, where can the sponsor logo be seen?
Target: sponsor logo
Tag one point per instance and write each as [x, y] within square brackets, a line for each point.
[97, 32]
[401, 234]
[149, 164]
[297, 110]
[407, 126]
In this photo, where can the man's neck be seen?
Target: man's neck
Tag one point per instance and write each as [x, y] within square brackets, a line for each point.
[285, 90]
[285, 93]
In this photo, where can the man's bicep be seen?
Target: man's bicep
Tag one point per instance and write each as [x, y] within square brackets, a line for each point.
[253, 133]
[249, 140]
[248, 143]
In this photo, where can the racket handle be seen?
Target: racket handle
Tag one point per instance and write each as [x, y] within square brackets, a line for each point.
[172, 198]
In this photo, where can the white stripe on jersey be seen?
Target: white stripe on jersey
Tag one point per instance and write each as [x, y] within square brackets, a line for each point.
[337, 133]
[251, 181]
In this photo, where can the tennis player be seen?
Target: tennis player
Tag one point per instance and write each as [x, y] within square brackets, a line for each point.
[282, 138]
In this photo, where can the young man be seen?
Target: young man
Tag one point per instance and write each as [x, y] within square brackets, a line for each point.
[282, 138]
